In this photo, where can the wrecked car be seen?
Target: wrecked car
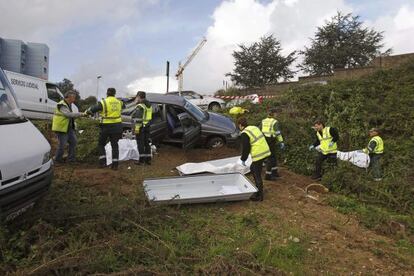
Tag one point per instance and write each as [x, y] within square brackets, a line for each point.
[178, 121]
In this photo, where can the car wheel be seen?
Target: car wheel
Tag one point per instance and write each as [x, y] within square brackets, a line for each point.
[127, 134]
[215, 143]
[214, 107]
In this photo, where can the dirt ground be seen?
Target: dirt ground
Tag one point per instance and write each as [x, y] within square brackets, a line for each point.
[343, 244]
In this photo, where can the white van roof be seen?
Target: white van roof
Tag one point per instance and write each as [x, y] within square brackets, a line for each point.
[29, 77]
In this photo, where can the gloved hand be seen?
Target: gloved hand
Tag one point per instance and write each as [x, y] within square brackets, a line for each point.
[311, 147]
[282, 146]
[88, 112]
[331, 144]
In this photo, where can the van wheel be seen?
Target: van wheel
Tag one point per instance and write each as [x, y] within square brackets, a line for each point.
[214, 107]
[215, 143]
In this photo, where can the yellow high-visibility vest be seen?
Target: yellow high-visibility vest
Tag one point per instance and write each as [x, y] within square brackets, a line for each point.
[268, 129]
[60, 123]
[379, 148]
[268, 126]
[146, 117]
[111, 110]
[324, 140]
[259, 148]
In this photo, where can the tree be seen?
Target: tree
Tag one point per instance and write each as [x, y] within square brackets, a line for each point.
[342, 42]
[261, 63]
[83, 104]
[67, 85]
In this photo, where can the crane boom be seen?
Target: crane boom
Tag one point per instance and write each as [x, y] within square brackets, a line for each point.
[180, 71]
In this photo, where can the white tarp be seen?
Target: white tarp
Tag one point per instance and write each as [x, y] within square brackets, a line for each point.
[225, 165]
[127, 151]
[356, 157]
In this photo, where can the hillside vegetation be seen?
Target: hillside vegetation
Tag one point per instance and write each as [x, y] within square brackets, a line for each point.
[384, 100]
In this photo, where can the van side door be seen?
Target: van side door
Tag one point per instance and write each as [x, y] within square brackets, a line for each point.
[29, 94]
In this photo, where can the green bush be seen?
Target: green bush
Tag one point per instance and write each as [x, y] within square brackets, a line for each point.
[87, 149]
[384, 100]
[87, 136]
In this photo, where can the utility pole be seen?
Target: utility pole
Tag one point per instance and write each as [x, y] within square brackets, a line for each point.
[168, 75]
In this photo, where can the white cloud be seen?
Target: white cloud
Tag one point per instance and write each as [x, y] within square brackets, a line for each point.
[245, 21]
[48, 20]
[234, 22]
[117, 71]
[156, 84]
[43, 20]
[398, 29]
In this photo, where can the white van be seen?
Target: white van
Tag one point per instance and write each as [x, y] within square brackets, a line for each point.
[37, 98]
[25, 164]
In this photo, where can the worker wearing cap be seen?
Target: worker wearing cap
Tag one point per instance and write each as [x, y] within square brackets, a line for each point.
[110, 127]
[63, 124]
[271, 130]
[326, 138]
[375, 150]
[142, 116]
[254, 143]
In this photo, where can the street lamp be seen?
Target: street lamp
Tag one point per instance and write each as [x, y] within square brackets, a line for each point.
[97, 87]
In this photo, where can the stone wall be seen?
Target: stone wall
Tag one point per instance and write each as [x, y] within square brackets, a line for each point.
[382, 62]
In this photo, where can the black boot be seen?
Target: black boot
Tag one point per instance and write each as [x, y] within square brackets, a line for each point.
[102, 163]
[114, 166]
[270, 177]
[316, 177]
[257, 197]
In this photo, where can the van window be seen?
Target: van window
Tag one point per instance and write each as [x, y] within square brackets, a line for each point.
[53, 94]
[8, 106]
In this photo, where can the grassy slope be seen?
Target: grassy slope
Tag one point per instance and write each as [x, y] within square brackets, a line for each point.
[96, 221]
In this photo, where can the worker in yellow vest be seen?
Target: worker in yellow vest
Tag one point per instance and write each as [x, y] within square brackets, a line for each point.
[63, 124]
[254, 143]
[142, 117]
[271, 130]
[326, 144]
[110, 127]
[375, 150]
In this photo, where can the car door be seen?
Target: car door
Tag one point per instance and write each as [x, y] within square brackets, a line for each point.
[158, 126]
[192, 130]
[53, 96]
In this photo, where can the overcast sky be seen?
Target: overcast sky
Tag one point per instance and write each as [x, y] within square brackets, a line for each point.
[127, 42]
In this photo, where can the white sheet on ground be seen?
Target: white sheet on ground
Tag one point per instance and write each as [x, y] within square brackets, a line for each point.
[356, 157]
[127, 151]
[225, 165]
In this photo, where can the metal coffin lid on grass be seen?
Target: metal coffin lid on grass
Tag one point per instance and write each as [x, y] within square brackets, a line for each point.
[199, 189]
